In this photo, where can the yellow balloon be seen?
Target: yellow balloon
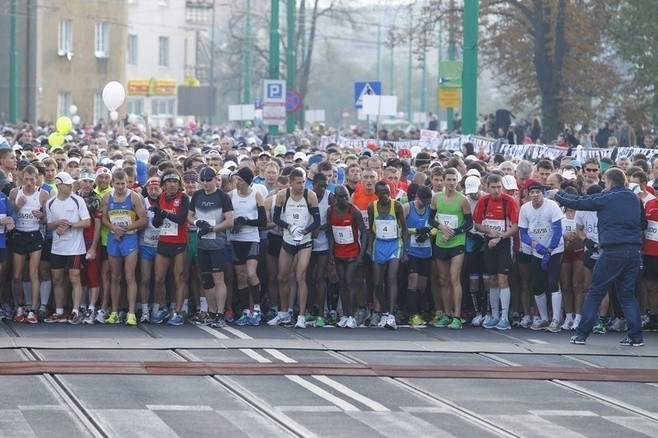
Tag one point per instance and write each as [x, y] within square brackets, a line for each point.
[55, 139]
[434, 232]
[64, 125]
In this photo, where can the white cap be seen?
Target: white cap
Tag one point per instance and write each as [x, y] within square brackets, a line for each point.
[224, 172]
[63, 178]
[299, 155]
[458, 153]
[569, 174]
[17, 147]
[73, 160]
[474, 172]
[42, 156]
[635, 188]
[471, 158]
[509, 183]
[471, 185]
[230, 165]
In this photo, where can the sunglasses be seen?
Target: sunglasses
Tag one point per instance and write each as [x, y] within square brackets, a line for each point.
[207, 179]
[591, 170]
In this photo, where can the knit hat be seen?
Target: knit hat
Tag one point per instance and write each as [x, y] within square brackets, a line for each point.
[246, 174]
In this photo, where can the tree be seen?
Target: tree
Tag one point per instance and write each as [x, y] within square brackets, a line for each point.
[551, 54]
[636, 40]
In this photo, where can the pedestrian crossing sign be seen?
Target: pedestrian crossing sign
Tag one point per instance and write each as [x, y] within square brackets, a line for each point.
[365, 89]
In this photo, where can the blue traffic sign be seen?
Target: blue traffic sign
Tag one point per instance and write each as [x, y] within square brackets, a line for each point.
[365, 89]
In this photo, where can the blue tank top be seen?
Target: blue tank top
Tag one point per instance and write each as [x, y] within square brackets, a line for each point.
[422, 250]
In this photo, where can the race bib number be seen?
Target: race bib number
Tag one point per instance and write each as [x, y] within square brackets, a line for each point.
[2, 227]
[413, 243]
[568, 225]
[151, 236]
[651, 233]
[449, 220]
[121, 220]
[541, 233]
[495, 224]
[169, 228]
[212, 235]
[386, 229]
[64, 237]
[364, 213]
[343, 235]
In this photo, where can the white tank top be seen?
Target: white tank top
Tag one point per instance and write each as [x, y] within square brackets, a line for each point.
[26, 220]
[321, 243]
[245, 207]
[297, 214]
[150, 235]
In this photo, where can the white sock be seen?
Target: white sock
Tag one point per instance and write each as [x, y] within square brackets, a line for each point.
[27, 294]
[92, 309]
[494, 300]
[59, 310]
[184, 309]
[556, 300]
[570, 316]
[576, 319]
[44, 291]
[542, 306]
[203, 306]
[145, 309]
[505, 296]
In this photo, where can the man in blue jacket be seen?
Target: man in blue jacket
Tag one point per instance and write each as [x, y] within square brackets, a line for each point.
[621, 221]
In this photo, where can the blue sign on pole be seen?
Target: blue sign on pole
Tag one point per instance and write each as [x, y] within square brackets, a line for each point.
[365, 89]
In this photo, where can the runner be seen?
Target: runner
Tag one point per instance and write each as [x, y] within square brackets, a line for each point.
[148, 245]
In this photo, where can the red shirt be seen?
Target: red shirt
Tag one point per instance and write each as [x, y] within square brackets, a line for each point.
[650, 246]
[504, 208]
[178, 231]
[346, 234]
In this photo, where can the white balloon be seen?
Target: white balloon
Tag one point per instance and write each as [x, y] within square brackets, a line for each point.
[141, 127]
[114, 116]
[113, 95]
[73, 109]
[75, 119]
[179, 122]
[132, 118]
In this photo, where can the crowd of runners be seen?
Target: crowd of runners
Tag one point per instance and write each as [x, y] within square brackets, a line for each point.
[216, 231]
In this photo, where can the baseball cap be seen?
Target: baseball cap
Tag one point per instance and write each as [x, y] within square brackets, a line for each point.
[208, 173]
[103, 171]
[404, 153]
[569, 174]
[509, 182]
[87, 176]
[63, 178]
[474, 172]
[153, 181]
[299, 156]
[279, 150]
[536, 185]
[315, 159]
[472, 184]
[265, 154]
[230, 165]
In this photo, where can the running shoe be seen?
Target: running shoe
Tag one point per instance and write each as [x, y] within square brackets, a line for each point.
[218, 321]
[539, 324]
[576, 323]
[275, 320]
[383, 319]
[417, 321]
[41, 314]
[628, 342]
[20, 314]
[309, 317]
[320, 322]
[503, 324]
[568, 322]
[101, 316]
[456, 324]
[244, 318]
[56, 317]
[228, 316]
[646, 320]
[176, 319]
[491, 323]
[444, 321]
[89, 317]
[554, 326]
[351, 322]
[343, 321]
[159, 316]
[526, 321]
[599, 328]
[198, 317]
[361, 316]
[477, 320]
[145, 318]
[301, 322]
[617, 325]
[390, 322]
[76, 318]
[270, 314]
[122, 316]
[286, 318]
[113, 318]
[31, 317]
[255, 317]
[375, 319]
[577, 340]
[436, 317]
[131, 320]
[333, 318]
[516, 319]
[7, 310]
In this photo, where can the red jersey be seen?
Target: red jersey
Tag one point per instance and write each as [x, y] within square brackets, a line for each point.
[346, 234]
[498, 214]
[650, 246]
[170, 231]
[361, 200]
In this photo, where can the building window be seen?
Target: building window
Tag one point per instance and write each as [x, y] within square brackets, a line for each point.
[64, 101]
[163, 52]
[162, 107]
[102, 42]
[136, 106]
[132, 50]
[65, 37]
[99, 108]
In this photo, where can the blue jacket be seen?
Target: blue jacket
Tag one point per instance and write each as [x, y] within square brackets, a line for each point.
[620, 213]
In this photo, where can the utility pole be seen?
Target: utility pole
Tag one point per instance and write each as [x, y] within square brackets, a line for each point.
[451, 55]
[247, 58]
[409, 66]
[291, 64]
[13, 64]
[302, 64]
[470, 77]
[211, 74]
[273, 130]
[379, 52]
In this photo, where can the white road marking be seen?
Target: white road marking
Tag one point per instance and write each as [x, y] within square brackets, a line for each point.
[131, 422]
[278, 355]
[308, 409]
[253, 424]
[236, 332]
[12, 423]
[531, 425]
[347, 407]
[565, 413]
[254, 355]
[398, 424]
[640, 425]
[344, 390]
[536, 341]
[425, 409]
[212, 331]
[42, 408]
[178, 408]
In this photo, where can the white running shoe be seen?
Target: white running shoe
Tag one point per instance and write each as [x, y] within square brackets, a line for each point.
[526, 322]
[351, 322]
[568, 322]
[554, 326]
[477, 321]
[390, 322]
[301, 322]
[383, 320]
[343, 321]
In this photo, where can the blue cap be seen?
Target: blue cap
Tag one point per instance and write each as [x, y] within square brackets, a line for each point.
[575, 163]
[315, 159]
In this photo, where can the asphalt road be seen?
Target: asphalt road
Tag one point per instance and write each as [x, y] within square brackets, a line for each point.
[275, 381]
